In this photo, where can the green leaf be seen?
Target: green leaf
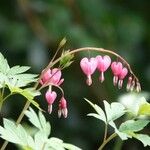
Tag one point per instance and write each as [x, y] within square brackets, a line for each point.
[4, 67]
[33, 118]
[17, 70]
[38, 121]
[66, 59]
[40, 140]
[113, 111]
[144, 109]
[70, 146]
[55, 144]
[145, 139]
[46, 128]
[133, 126]
[3, 79]
[101, 114]
[27, 93]
[21, 80]
[13, 133]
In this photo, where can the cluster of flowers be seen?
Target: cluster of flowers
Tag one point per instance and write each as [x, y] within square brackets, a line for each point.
[53, 78]
[102, 63]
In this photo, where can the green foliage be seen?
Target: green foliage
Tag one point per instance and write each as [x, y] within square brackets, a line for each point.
[144, 109]
[66, 59]
[14, 76]
[17, 81]
[132, 125]
[113, 111]
[128, 128]
[100, 113]
[18, 135]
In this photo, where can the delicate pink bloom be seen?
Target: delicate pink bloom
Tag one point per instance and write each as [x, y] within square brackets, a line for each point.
[62, 108]
[88, 66]
[116, 68]
[103, 63]
[52, 77]
[122, 75]
[50, 98]
[119, 73]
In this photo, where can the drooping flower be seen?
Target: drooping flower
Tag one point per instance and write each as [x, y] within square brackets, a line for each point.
[52, 77]
[50, 98]
[119, 72]
[129, 84]
[122, 75]
[63, 108]
[88, 66]
[116, 68]
[103, 63]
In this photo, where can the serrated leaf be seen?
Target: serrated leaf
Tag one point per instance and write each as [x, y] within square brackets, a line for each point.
[3, 79]
[113, 111]
[38, 121]
[17, 70]
[55, 144]
[13, 133]
[98, 110]
[45, 125]
[144, 109]
[33, 118]
[96, 116]
[21, 80]
[4, 67]
[70, 146]
[145, 139]
[40, 140]
[133, 126]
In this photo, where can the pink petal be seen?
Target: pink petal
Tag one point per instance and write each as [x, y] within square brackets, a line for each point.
[103, 63]
[116, 68]
[50, 97]
[123, 73]
[88, 66]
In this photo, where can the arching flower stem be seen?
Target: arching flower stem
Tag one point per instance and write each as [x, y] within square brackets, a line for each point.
[94, 49]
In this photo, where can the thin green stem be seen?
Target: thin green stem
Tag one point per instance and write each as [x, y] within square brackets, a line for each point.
[3, 99]
[8, 96]
[2, 95]
[17, 122]
[107, 140]
[105, 133]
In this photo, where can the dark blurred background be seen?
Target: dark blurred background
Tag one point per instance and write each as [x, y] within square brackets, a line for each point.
[30, 31]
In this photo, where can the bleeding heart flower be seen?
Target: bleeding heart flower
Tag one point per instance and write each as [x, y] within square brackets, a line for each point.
[116, 68]
[119, 72]
[52, 77]
[50, 98]
[63, 108]
[103, 63]
[88, 66]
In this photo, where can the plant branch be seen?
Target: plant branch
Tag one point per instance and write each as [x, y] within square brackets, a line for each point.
[105, 133]
[107, 140]
[99, 50]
